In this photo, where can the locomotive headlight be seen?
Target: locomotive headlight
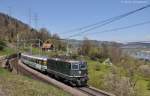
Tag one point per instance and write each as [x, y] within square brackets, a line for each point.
[79, 72]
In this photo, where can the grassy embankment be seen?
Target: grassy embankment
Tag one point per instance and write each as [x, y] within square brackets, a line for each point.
[6, 51]
[17, 85]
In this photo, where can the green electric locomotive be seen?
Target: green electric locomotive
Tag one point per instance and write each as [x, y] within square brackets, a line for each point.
[74, 72]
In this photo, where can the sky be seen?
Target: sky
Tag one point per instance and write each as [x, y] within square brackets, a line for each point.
[61, 16]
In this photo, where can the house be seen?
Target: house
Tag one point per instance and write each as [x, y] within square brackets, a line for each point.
[47, 46]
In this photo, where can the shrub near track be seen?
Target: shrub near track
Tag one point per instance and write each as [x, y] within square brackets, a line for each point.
[98, 73]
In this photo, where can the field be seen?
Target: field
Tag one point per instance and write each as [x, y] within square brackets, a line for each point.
[17, 85]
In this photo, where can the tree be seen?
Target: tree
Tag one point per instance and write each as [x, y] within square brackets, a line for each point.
[44, 34]
[10, 27]
[145, 70]
[121, 85]
[86, 47]
[55, 36]
[114, 52]
[58, 43]
[104, 50]
[2, 45]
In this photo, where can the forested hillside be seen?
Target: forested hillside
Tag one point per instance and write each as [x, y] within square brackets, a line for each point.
[10, 27]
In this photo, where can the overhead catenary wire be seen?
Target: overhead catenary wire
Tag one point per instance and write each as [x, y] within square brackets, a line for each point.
[87, 26]
[105, 22]
[120, 28]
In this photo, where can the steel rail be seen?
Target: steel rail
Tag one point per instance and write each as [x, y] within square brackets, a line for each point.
[91, 91]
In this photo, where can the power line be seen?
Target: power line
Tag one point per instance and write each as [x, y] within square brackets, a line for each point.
[120, 28]
[87, 26]
[115, 19]
[107, 21]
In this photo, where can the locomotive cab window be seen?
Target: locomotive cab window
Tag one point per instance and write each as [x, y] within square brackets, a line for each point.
[75, 67]
[83, 66]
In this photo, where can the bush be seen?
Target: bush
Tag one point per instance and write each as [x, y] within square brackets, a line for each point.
[74, 56]
[145, 70]
[97, 67]
[2, 44]
[148, 86]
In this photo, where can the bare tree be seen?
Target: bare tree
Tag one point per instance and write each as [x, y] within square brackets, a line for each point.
[86, 47]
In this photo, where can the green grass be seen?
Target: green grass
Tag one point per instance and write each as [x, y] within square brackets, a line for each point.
[6, 51]
[17, 85]
[142, 87]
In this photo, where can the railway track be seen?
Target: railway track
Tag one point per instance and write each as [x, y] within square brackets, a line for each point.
[81, 91]
[91, 91]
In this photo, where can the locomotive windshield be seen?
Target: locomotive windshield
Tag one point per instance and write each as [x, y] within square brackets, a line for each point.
[83, 65]
[80, 65]
[75, 66]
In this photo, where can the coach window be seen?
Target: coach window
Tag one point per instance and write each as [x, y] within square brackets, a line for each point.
[40, 62]
[33, 60]
[44, 62]
[69, 66]
[75, 66]
[36, 61]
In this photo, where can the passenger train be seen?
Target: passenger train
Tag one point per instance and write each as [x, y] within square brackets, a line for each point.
[72, 71]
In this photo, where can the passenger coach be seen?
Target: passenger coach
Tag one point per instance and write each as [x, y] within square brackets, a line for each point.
[39, 63]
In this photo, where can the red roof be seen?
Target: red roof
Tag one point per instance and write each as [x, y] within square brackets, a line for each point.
[47, 45]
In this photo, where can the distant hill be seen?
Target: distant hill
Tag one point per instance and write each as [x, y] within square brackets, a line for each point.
[129, 45]
[137, 45]
[10, 27]
[77, 43]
